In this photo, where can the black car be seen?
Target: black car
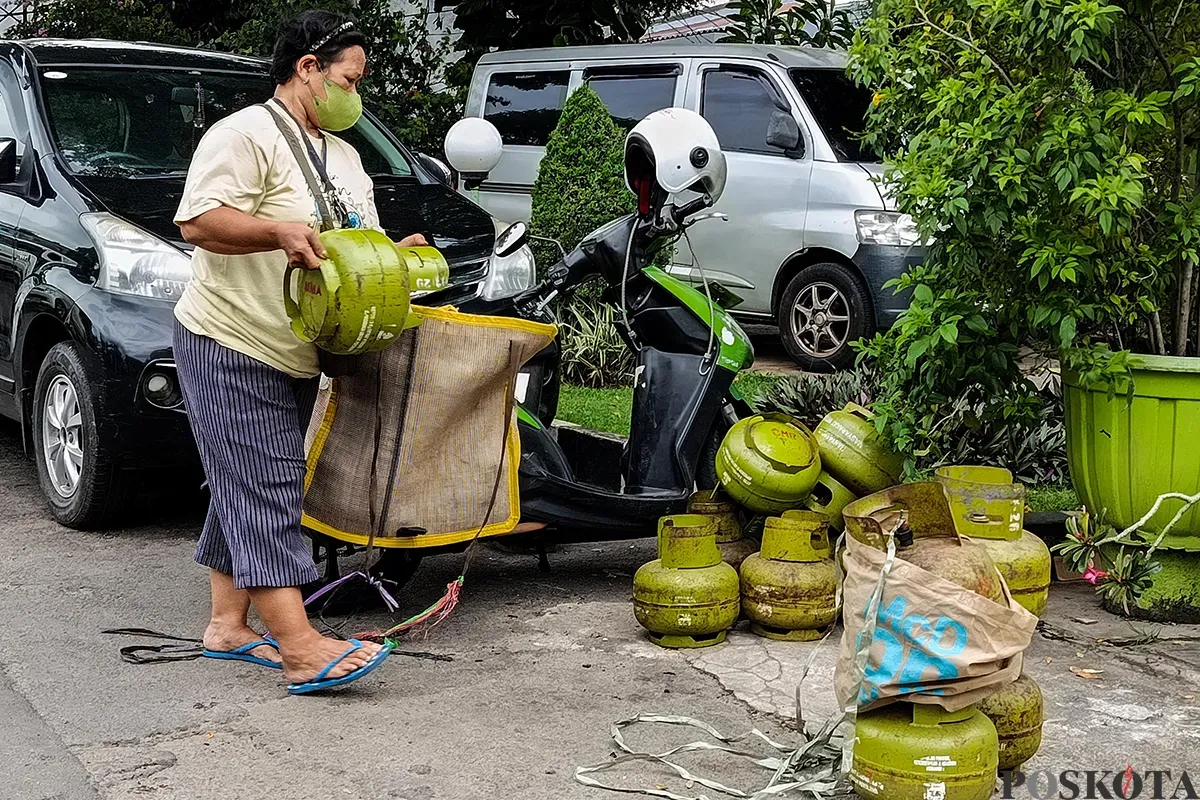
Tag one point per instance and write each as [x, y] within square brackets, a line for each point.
[95, 142]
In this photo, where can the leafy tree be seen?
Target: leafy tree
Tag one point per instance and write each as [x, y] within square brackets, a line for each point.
[1043, 146]
[509, 24]
[580, 186]
[581, 182]
[767, 22]
[405, 86]
[129, 20]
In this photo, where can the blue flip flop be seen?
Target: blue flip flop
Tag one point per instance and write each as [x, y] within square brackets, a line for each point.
[318, 683]
[243, 653]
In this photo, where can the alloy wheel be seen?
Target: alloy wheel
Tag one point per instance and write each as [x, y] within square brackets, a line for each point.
[821, 319]
[62, 436]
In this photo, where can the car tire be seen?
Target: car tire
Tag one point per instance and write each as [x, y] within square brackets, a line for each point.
[823, 310]
[74, 456]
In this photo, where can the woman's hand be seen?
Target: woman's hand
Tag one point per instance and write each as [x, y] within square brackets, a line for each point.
[301, 243]
[416, 240]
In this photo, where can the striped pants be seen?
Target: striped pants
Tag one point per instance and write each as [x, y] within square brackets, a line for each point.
[249, 421]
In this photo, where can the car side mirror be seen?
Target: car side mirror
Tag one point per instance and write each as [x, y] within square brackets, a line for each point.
[437, 168]
[473, 147]
[511, 239]
[8, 160]
[783, 132]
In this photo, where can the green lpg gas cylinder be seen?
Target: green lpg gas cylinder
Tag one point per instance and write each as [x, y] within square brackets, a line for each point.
[731, 541]
[427, 270]
[913, 751]
[358, 301]
[1016, 711]
[688, 597]
[830, 497]
[768, 463]
[988, 506]
[789, 588]
[925, 535]
[853, 451]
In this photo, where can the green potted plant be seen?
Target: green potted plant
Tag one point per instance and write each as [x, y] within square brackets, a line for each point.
[1046, 150]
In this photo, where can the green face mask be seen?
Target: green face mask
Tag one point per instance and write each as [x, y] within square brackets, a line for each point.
[339, 109]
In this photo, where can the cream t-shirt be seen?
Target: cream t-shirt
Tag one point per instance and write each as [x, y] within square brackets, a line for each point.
[244, 162]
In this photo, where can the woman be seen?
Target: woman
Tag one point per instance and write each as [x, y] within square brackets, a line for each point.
[248, 381]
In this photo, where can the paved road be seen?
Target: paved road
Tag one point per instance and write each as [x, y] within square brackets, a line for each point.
[542, 665]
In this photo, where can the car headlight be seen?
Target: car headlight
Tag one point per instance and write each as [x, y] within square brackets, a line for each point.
[886, 227]
[509, 275]
[133, 261]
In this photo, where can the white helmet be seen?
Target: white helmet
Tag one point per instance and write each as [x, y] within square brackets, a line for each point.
[678, 150]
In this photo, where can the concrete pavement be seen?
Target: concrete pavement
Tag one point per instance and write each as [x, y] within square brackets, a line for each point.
[542, 665]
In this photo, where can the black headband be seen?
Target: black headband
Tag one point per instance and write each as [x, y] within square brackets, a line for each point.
[338, 31]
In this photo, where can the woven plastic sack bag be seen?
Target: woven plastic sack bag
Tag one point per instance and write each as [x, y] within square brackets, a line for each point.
[932, 640]
[409, 446]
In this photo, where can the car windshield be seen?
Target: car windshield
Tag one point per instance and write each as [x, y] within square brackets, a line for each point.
[131, 122]
[840, 106]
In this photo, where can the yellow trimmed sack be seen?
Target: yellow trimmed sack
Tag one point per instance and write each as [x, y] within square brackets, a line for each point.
[426, 419]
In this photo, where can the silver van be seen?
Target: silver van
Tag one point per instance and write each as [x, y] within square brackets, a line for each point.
[811, 238]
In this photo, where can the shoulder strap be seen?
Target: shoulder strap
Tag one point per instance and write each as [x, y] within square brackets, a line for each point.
[326, 221]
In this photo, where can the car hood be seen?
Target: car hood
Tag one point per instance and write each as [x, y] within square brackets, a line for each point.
[876, 172]
[461, 230]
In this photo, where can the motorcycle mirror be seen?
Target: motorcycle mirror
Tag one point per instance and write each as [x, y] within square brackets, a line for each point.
[561, 250]
[473, 147]
[511, 239]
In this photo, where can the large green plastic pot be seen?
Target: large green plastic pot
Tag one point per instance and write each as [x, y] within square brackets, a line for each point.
[768, 463]
[358, 301]
[1125, 451]
[1174, 591]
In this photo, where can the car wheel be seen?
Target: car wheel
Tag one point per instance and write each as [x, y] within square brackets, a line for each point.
[75, 467]
[823, 310]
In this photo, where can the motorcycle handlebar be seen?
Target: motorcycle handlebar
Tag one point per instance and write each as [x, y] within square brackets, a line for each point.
[680, 213]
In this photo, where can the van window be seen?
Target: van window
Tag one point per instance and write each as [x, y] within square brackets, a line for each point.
[525, 106]
[738, 106]
[840, 107]
[630, 96]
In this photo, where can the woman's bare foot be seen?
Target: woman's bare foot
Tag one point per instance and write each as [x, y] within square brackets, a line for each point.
[223, 638]
[303, 660]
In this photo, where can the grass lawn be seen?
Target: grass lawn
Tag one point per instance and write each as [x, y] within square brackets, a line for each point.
[1051, 498]
[605, 410]
[608, 410]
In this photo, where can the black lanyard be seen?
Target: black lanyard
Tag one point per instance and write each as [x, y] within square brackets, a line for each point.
[319, 162]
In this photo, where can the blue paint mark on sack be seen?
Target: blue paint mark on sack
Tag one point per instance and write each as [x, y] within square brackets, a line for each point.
[913, 647]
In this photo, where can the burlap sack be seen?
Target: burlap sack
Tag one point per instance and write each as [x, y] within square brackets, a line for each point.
[427, 414]
[934, 641]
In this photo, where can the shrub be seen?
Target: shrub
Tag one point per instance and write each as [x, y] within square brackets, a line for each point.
[593, 353]
[580, 184]
[1035, 453]
[1047, 149]
[809, 397]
